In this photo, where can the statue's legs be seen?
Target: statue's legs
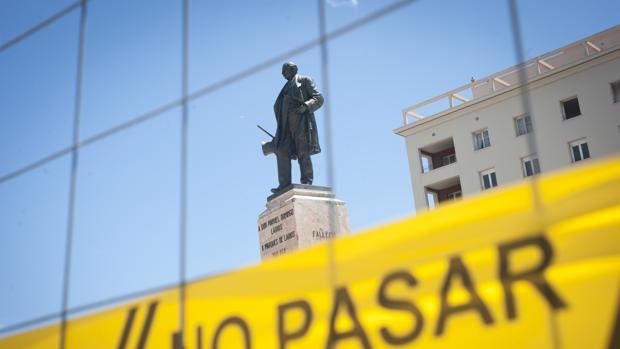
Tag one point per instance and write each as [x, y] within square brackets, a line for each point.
[305, 167]
[300, 137]
[284, 169]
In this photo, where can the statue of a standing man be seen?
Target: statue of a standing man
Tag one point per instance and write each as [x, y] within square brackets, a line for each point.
[296, 135]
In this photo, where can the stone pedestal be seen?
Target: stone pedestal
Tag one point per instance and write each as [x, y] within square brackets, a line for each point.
[298, 217]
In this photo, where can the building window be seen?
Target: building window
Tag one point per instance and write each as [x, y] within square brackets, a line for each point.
[481, 139]
[431, 199]
[454, 195]
[530, 165]
[523, 125]
[426, 161]
[570, 108]
[615, 91]
[488, 179]
[579, 150]
[448, 159]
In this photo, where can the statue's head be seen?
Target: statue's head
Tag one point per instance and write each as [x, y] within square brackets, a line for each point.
[289, 70]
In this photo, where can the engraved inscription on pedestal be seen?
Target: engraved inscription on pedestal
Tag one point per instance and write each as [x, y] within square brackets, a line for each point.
[277, 231]
[300, 217]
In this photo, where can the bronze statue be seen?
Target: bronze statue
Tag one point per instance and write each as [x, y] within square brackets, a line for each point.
[296, 136]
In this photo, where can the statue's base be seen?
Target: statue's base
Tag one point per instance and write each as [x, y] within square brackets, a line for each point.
[300, 216]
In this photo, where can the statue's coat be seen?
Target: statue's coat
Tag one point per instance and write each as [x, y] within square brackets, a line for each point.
[305, 90]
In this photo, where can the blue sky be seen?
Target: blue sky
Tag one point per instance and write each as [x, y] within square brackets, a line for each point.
[127, 213]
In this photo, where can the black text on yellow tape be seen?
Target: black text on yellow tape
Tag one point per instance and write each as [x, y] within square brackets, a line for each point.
[344, 305]
[146, 327]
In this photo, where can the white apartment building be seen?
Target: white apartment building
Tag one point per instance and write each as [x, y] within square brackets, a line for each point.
[478, 138]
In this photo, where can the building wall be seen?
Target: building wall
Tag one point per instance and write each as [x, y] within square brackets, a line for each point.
[599, 124]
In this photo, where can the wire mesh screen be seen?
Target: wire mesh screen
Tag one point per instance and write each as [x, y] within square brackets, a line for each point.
[136, 166]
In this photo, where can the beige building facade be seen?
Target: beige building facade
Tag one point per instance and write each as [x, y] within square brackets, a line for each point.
[478, 138]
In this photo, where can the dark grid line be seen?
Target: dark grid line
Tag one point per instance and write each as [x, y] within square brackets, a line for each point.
[73, 176]
[90, 306]
[30, 323]
[41, 25]
[93, 139]
[329, 152]
[241, 75]
[107, 302]
[526, 104]
[183, 170]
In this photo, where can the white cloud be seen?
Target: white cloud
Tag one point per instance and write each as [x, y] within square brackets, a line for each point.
[339, 3]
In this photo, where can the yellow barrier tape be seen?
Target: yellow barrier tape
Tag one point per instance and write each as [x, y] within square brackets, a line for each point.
[488, 272]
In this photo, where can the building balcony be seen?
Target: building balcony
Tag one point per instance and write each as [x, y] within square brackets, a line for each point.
[437, 155]
[442, 191]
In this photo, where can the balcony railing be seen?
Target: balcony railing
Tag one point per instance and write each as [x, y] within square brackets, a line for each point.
[507, 78]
